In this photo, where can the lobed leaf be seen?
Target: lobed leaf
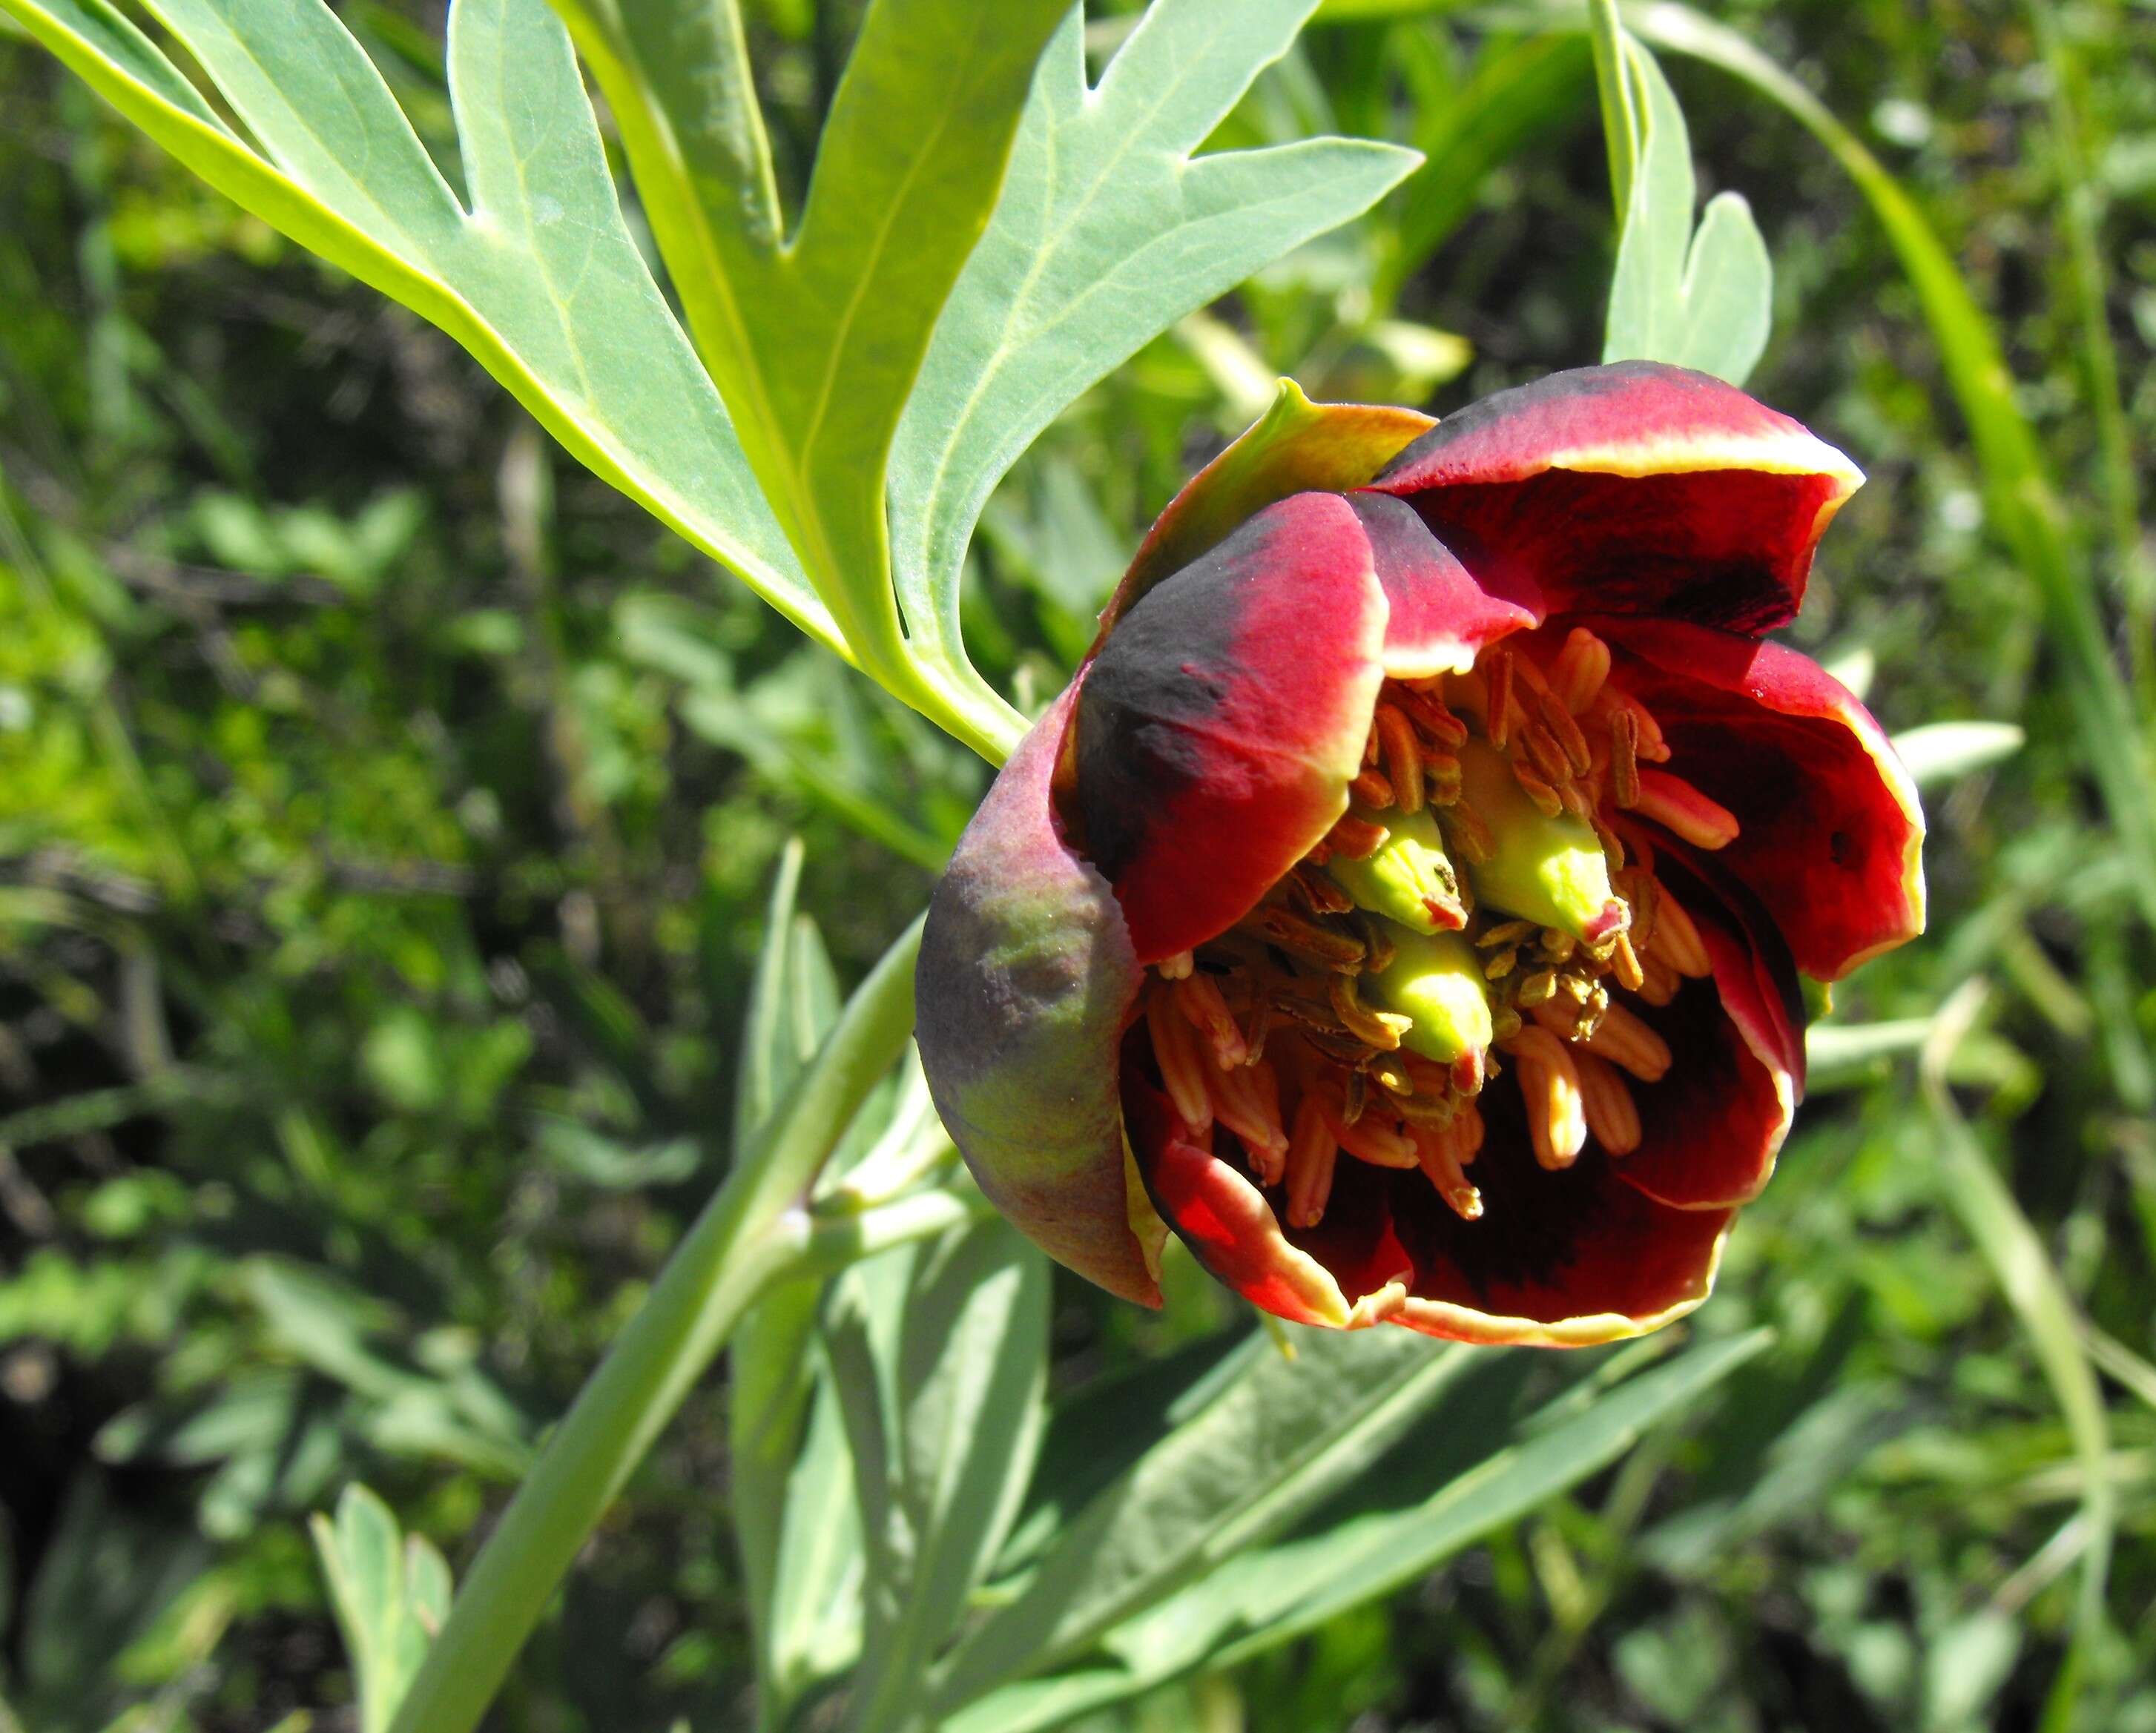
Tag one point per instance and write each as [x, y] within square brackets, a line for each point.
[540, 278]
[1109, 230]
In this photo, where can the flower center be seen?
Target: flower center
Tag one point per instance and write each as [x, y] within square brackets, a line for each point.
[1474, 912]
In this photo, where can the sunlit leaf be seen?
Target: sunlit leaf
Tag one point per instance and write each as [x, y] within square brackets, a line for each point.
[1109, 230]
[539, 278]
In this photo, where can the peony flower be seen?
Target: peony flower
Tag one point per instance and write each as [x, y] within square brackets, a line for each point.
[1405, 901]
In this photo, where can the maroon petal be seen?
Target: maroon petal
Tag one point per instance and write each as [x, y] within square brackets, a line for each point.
[1711, 1129]
[1830, 835]
[1632, 488]
[1438, 618]
[1026, 976]
[1295, 447]
[1221, 722]
[1558, 1259]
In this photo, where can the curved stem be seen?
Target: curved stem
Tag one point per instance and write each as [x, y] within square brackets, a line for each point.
[748, 1235]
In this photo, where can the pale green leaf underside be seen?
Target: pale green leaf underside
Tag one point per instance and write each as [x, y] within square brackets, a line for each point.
[1702, 300]
[1108, 231]
[540, 280]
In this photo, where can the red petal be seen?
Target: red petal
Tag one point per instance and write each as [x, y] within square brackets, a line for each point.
[1710, 1130]
[1295, 447]
[1831, 834]
[1219, 726]
[1633, 488]
[1025, 978]
[1439, 617]
[1558, 1260]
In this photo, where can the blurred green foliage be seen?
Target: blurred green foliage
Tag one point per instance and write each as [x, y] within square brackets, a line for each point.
[387, 807]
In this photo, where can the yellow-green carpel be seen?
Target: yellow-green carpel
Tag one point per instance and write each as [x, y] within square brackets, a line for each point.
[1410, 879]
[1548, 870]
[1437, 980]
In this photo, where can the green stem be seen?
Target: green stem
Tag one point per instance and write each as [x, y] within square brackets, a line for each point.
[748, 1235]
[1620, 126]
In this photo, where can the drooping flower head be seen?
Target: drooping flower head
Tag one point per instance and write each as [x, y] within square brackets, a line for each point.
[1405, 900]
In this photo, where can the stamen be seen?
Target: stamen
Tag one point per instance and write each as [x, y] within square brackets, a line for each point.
[1624, 758]
[1402, 755]
[1542, 701]
[1434, 1151]
[1319, 891]
[1357, 839]
[1613, 701]
[1471, 1128]
[1613, 1117]
[1501, 965]
[1259, 1031]
[1580, 668]
[1371, 789]
[1380, 948]
[1181, 1071]
[1506, 932]
[1673, 801]
[1441, 772]
[1550, 757]
[1391, 1074]
[1248, 1104]
[1198, 998]
[1623, 1040]
[1499, 679]
[1549, 1085]
[1537, 987]
[1177, 967]
[1312, 1153]
[1625, 963]
[1428, 714]
[1466, 832]
[1381, 1029]
[1324, 945]
[1354, 1097]
[1380, 1145]
[1660, 983]
[1556, 944]
[1677, 940]
[1548, 801]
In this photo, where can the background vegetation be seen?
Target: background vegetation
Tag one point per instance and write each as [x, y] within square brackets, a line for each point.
[388, 811]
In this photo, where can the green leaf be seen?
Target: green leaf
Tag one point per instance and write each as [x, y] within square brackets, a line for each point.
[1274, 1443]
[2051, 1322]
[540, 279]
[1728, 293]
[1703, 300]
[811, 1617]
[390, 1594]
[941, 1358]
[1947, 751]
[816, 343]
[1491, 1461]
[792, 1001]
[1108, 231]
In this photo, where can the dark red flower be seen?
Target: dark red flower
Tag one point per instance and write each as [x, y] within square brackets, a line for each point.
[1405, 901]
